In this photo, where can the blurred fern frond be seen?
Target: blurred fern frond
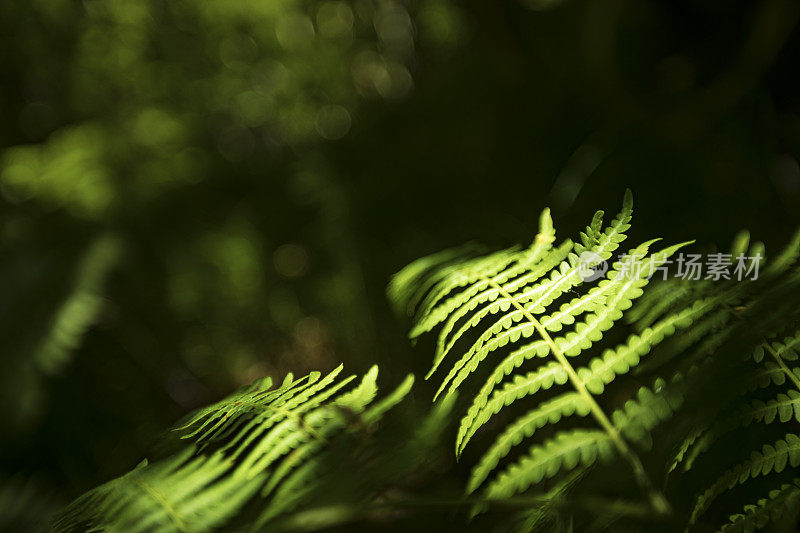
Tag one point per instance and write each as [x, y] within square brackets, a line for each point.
[736, 447]
[256, 456]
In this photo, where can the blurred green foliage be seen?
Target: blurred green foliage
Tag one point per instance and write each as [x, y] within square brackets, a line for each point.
[196, 194]
[183, 136]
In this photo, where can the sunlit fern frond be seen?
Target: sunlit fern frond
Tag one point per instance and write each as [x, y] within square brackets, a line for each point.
[562, 453]
[263, 450]
[518, 307]
[184, 492]
[549, 412]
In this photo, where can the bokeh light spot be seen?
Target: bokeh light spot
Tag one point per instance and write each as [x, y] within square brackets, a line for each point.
[335, 19]
[291, 260]
[295, 31]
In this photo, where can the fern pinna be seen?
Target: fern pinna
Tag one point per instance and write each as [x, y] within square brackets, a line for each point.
[520, 305]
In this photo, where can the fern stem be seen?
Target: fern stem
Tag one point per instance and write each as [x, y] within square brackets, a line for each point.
[657, 500]
[779, 360]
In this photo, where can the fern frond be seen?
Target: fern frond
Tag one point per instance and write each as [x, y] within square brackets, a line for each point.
[242, 403]
[181, 493]
[684, 448]
[446, 341]
[614, 362]
[605, 303]
[479, 291]
[786, 258]
[771, 458]
[599, 372]
[784, 408]
[284, 417]
[786, 350]
[409, 286]
[467, 274]
[729, 297]
[267, 442]
[291, 493]
[80, 309]
[657, 301]
[484, 408]
[299, 425]
[766, 510]
[325, 423]
[536, 295]
[267, 407]
[513, 305]
[363, 394]
[376, 411]
[770, 374]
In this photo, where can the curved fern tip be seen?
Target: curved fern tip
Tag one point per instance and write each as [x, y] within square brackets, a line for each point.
[647, 244]
[680, 245]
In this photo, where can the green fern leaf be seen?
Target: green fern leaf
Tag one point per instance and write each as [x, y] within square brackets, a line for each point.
[770, 374]
[409, 286]
[178, 494]
[522, 386]
[563, 452]
[81, 307]
[614, 362]
[600, 371]
[446, 342]
[550, 412]
[786, 258]
[269, 444]
[479, 290]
